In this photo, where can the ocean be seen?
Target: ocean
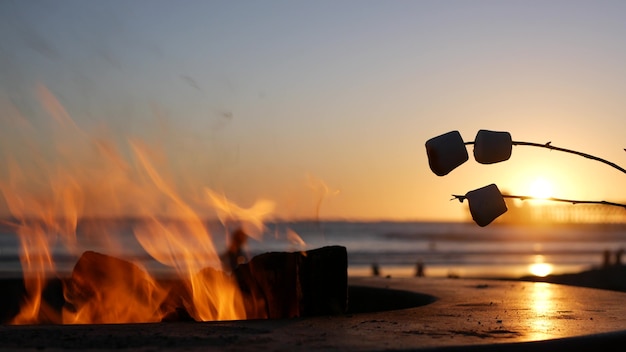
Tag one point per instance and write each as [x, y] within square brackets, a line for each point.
[443, 249]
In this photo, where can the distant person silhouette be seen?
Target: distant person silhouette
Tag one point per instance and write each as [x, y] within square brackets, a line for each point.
[375, 269]
[419, 269]
[606, 258]
[618, 256]
[235, 254]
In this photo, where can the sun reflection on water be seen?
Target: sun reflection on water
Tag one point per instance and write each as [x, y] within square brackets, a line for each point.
[540, 268]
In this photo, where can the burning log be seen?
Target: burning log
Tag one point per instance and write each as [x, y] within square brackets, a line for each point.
[105, 289]
[271, 278]
[296, 284]
[273, 285]
[324, 281]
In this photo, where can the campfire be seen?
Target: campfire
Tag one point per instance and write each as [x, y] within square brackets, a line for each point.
[73, 180]
[106, 289]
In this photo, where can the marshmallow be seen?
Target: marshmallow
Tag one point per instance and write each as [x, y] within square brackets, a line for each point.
[486, 204]
[492, 147]
[446, 152]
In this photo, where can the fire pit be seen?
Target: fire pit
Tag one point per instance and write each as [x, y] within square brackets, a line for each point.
[107, 289]
[398, 314]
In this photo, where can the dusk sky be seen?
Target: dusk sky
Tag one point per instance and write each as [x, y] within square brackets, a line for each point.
[298, 102]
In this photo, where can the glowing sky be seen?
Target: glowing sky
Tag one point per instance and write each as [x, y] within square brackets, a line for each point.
[292, 100]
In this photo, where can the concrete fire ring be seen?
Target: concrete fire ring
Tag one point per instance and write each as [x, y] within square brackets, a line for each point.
[393, 314]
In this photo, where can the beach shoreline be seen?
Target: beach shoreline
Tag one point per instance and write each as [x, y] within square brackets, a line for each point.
[611, 278]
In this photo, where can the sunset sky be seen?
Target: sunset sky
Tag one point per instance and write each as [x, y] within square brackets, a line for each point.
[329, 103]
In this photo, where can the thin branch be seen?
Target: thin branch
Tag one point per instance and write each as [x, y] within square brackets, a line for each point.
[551, 147]
[552, 199]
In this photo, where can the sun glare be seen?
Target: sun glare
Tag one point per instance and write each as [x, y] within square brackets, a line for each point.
[540, 268]
[540, 188]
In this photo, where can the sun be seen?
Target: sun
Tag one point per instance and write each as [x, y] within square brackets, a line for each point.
[540, 268]
[540, 188]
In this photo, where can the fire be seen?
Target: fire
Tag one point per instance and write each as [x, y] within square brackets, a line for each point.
[229, 211]
[105, 289]
[52, 191]
[296, 240]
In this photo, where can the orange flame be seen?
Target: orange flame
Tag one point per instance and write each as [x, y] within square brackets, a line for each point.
[50, 191]
[296, 240]
[251, 219]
